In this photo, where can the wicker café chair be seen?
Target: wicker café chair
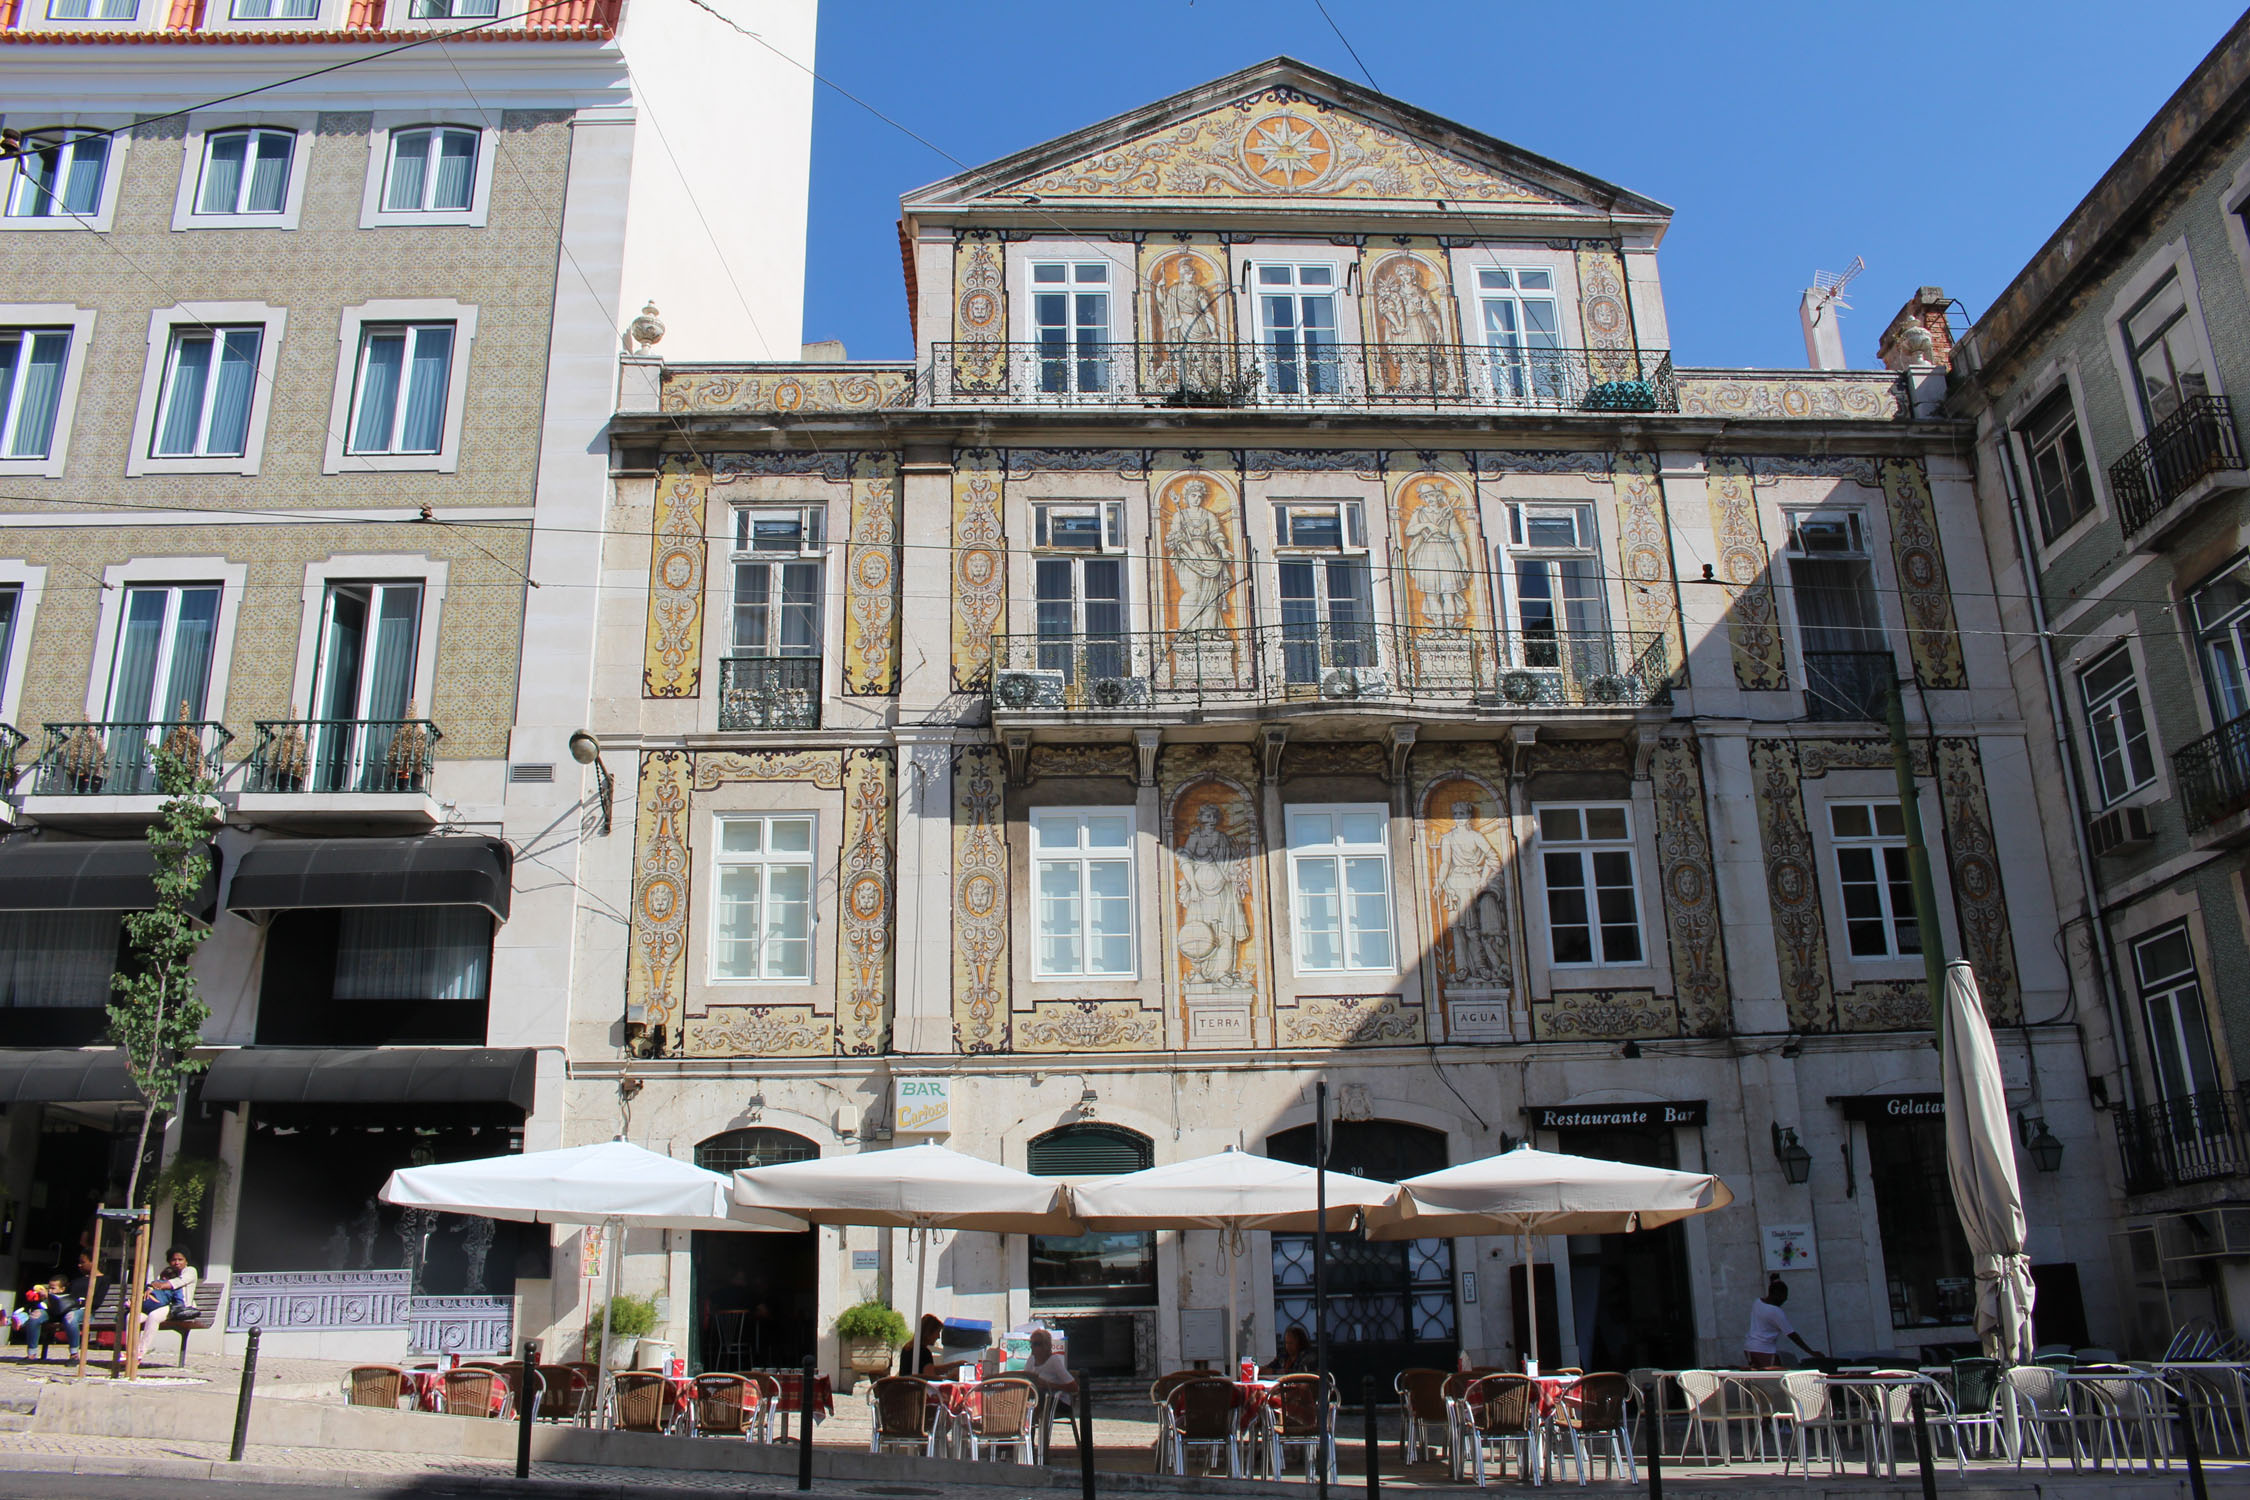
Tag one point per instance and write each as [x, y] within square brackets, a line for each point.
[903, 1413]
[470, 1393]
[1500, 1411]
[1424, 1421]
[766, 1425]
[1160, 1395]
[563, 1392]
[1598, 1410]
[1003, 1418]
[643, 1400]
[375, 1385]
[1204, 1416]
[1295, 1423]
[725, 1406]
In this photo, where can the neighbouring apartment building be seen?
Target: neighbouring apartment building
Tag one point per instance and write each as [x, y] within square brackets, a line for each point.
[301, 396]
[2111, 480]
[1292, 620]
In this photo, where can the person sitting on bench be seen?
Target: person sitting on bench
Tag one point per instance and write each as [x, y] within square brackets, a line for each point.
[68, 1307]
[169, 1295]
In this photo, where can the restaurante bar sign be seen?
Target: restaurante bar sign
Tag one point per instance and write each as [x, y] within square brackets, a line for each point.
[1611, 1116]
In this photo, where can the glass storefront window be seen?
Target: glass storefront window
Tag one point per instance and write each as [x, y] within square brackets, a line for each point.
[1931, 1275]
[1091, 1270]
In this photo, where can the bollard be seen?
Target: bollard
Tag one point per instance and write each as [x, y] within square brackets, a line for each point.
[1082, 1404]
[805, 1397]
[1374, 1452]
[1922, 1444]
[2190, 1448]
[527, 1407]
[242, 1402]
[1656, 1461]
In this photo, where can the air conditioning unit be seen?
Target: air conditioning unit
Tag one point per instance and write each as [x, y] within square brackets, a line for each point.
[2120, 830]
[1353, 682]
[1028, 689]
[1117, 692]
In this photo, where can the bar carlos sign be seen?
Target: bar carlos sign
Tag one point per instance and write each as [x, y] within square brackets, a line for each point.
[923, 1106]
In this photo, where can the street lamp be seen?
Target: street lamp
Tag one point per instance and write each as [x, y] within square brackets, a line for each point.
[2040, 1144]
[587, 751]
[1796, 1161]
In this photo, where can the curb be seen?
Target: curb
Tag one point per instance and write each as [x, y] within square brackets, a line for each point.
[427, 1482]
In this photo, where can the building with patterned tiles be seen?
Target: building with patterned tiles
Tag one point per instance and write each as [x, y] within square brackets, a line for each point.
[300, 395]
[1294, 621]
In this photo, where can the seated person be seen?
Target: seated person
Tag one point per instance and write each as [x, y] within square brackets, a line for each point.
[1295, 1357]
[66, 1303]
[920, 1357]
[172, 1291]
[1048, 1371]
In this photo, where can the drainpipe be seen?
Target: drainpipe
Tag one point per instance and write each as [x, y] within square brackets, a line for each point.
[2066, 753]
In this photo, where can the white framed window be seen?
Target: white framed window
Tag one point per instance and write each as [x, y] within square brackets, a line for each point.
[2165, 351]
[207, 388]
[2062, 483]
[167, 636]
[423, 172]
[779, 583]
[2220, 608]
[1869, 842]
[23, 583]
[275, 10]
[1297, 328]
[92, 10]
[2117, 724]
[1078, 588]
[66, 178]
[1520, 325]
[453, 10]
[1551, 567]
[1083, 888]
[1326, 595]
[36, 365]
[762, 898]
[401, 383]
[1593, 895]
[2179, 1031]
[1340, 888]
[1070, 324]
[243, 171]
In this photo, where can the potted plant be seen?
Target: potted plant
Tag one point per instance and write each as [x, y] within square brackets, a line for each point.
[869, 1332]
[631, 1319]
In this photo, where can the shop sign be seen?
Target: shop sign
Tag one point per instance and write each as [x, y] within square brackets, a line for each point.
[1789, 1247]
[1877, 1109]
[867, 1260]
[923, 1106]
[1585, 1116]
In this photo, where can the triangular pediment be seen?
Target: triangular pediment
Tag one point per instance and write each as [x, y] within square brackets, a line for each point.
[1279, 134]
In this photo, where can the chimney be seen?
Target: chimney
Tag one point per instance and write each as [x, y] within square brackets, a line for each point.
[1824, 333]
[1918, 338]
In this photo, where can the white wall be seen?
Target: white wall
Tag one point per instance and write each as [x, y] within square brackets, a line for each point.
[725, 127]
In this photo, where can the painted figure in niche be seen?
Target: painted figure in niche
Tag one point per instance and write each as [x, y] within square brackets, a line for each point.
[1409, 325]
[1214, 885]
[1195, 543]
[1437, 556]
[1184, 305]
[1468, 882]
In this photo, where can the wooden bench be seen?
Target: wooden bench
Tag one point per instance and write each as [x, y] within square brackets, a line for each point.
[208, 1296]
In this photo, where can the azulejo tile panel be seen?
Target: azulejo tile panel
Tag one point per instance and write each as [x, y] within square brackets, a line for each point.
[980, 313]
[1214, 929]
[867, 888]
[871, 563]
[1747, 571]
[980, 900]
[1351, 1021]
[1688, 882]
[673, 663]
[1931, 636]
[980, 567]
[1865, 398]
[1644, 552]
[1089, 1026]
[1406, 314]
[1467, 847]
[1604, 1015]
[822, 768]
[760, 1031]
[1186, 308]
[1800, 936]
[1082, 760]
[795, 390]
[1605, 314]
[1973, 861]
[656, 964]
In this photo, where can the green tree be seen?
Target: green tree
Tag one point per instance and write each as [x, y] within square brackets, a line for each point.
[158, 1015]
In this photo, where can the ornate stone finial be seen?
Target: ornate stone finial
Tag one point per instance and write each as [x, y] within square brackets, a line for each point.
[645, 331]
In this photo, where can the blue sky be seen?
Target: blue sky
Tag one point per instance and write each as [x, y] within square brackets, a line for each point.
[1943, 142]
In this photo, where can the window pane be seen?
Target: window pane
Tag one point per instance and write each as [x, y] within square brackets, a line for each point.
[1055, 833]
[410, 150]
[1559, 823]
[424, 425]
[1906, 933]
[1890, 820]
[1848, 820]
[222, 172]
[791, 835]
[1104, 831]
[1311, 830]
[788, 921]
[36, 394]
[384, 362]
[735, 949]
[231, 393]
[455, 180]
[1605, 822]
[1369, 888]
[1361, 827]
[82, 189]
[1109, 917]
[741, 836]
[269, 172]
[183, 394]
[1319, 915]
[1569, 933]
[1619, 906]
[1059, 917]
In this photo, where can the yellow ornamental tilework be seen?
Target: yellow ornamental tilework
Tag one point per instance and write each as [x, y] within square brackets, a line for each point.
[1605, 312]
[1931, 635]
[1089, 1026]
[1351, 1021]
[1440, 545]
[1688, 881]
[980, 900]
[1467, 846]
[1604, 1015]
[672, 664]
[866, 889]
[795, 389]
[980, 314]
[871, 563]
[1746, 569]
[1406, 318]
[1800, 936]
[657, 958]
[1644, 553]
[822, 768]
[1792, 398]
[1187, 314]
[760, 1031]
[1280, 143]
[980, 567]
[1973, 861]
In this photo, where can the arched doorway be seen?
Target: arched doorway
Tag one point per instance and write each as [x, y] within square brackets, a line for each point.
[1390, 1305]
[1096, 1288]
[757, 1297]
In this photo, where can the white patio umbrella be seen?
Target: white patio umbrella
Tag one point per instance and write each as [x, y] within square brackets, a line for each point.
[1232, 1192]
[1980, 1158]
[915, 1188]
[616, 1185]
[1525, 1193]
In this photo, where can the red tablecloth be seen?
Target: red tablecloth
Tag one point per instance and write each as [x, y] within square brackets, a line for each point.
[428, 1386]
[824, 1391]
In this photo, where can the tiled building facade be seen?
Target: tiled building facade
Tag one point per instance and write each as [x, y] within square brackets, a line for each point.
[1293, 620]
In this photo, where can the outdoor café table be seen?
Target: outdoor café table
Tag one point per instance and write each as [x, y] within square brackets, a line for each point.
[1253, 1409]
[1869, 1394]
[958, 1402]
[792, 1384]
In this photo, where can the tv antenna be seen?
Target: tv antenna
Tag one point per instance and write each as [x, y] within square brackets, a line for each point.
[1828, 287]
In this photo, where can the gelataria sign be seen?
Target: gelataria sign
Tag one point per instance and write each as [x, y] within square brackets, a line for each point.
[923, 1106]
[1874, 1109]
[1610, 1116]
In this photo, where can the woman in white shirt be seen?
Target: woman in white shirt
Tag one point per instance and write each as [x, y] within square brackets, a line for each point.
[1768, 1326]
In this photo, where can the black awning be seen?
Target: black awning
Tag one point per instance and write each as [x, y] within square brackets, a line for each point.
[90, 875]
[59, 1075]
[373, 1075]
[291, 874]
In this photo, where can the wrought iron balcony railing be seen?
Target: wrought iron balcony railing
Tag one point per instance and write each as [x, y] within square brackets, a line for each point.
[1848, 686]
[12, 740]
[769, 692]
[2197, 440]
[2173, 1142]
[343, 755]
[117, 758]
[2214, 774]
[1277, 375]
[1311, 663]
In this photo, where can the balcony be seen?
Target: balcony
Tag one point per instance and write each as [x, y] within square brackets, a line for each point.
[769, 692]
[1253, 377]
[12, 740]
[355, 771]
[2187, 457]
[2214, 779]
[1848, 687]
[2179, 1142]
[1316, 668]
[104, 771]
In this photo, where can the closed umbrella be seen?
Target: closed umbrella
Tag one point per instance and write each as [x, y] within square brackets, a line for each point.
[616, 1185]
[915, 1188]
[1525, 1192]
[1980, 1158]
[1232, 1192]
